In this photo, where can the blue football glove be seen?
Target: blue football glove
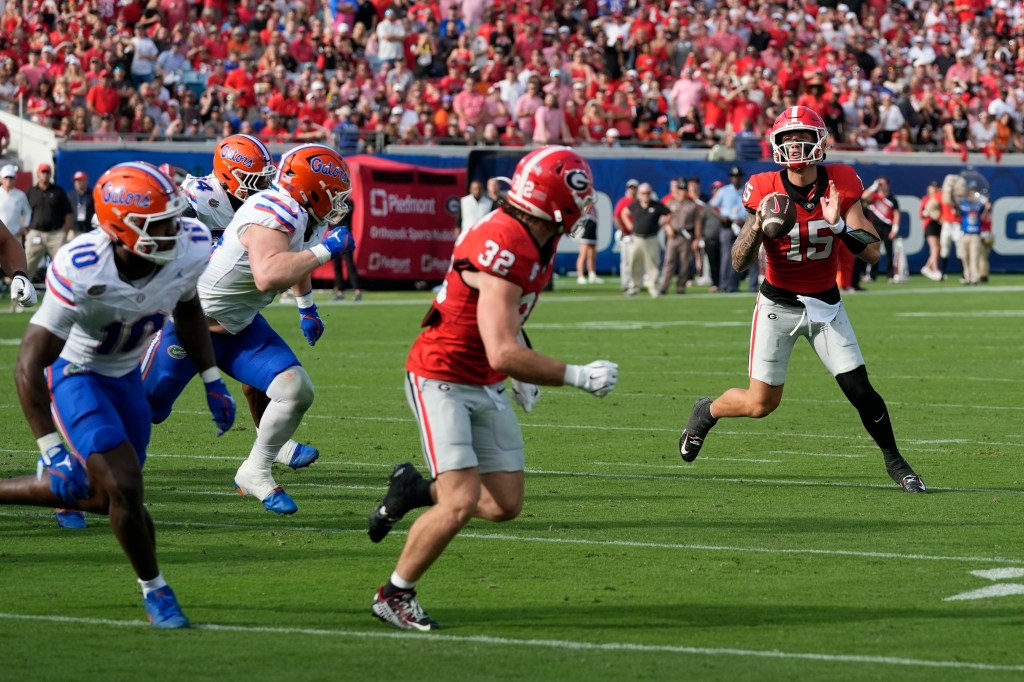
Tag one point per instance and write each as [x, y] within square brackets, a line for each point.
[312, 325]
[221, 404]
[69, 479]
[339, 241]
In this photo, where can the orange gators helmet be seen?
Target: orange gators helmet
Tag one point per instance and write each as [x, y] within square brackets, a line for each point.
[555, 183]
[243, 164]
[317, 177]
[795, 154]
[132, 197]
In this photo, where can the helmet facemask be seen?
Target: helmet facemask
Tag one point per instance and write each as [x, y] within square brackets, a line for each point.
[252, 182]
[588, 216]
[148, 246]
[798, 154]
[338, 201]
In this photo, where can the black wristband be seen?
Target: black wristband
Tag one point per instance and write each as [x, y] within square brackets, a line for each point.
[19, 272]
[852, 243]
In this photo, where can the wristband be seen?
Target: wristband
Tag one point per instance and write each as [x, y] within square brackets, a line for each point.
[321, 253]
[305, 300]
[838, 228]
[19, 273]
[852, 243]
[48, 441]
[209, 374]
[573, 376]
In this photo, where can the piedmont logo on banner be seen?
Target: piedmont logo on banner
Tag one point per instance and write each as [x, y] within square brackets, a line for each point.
[404, 218]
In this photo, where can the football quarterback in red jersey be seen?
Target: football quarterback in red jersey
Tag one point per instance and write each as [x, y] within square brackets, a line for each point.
[799, 296]
[456, 371]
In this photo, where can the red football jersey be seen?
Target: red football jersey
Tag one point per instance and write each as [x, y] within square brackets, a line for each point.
[805, 260]
[450, 348]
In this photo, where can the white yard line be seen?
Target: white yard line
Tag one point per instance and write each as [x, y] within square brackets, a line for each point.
[505, 537]
[600, 475]
[431, 641]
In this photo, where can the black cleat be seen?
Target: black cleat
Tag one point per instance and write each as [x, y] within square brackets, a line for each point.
[396, 502]
[696, 430]
[905, 477]
[403, 610]
[912, 484]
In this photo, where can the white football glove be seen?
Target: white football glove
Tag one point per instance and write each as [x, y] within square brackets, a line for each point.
[23, 292]
[598, 377]
[526, 395]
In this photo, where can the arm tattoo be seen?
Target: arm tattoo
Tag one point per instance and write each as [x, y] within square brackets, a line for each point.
[744, 250]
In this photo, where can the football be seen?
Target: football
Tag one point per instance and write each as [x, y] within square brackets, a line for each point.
[778, 215]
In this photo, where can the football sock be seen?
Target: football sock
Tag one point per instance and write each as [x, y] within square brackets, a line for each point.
[154, 584]
[291, 394]
[873, 412]
[397, 584]
[284, 455]
[420, 494]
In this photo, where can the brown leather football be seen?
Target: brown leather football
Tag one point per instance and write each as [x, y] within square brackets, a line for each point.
[778, 215]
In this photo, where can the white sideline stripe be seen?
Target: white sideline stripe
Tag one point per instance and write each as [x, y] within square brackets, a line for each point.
[964, 313]
[749, 550]
[682, 466]
[567, 541]
[558, 644]
[812, 454]
[765, 481]
[591, 474]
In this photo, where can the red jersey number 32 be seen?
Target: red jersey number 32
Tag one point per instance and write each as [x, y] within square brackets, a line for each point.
[495, 258]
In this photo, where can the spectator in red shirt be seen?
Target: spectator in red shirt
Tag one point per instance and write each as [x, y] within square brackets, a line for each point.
[815, 96]
[241, 82]
[620, 115]
[103, 98]
[285, 102]
[528, 40]
[742, 108]
[314, 107]
[301, 48]
[470, 106]
[33, 70]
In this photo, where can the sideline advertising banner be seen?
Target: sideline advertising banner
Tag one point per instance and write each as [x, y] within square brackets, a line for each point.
[404, 218]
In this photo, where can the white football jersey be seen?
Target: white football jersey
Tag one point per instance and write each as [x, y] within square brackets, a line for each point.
[209, 200]
[227, 288]
[108, 322]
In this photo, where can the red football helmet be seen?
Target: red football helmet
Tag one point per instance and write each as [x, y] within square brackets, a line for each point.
[317, 177]
[243, 164]
[554, 183]
[796, 154]
[131, 197]
[176, 174]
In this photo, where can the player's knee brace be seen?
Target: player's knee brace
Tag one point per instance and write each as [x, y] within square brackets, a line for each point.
[292, 386]
[859, 391]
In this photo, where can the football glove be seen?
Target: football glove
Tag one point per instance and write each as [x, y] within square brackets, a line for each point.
[22, 291]
[221, 404]
[339, 241]
[69, 479]
[599, 377]
[312, 325]
[526, 395]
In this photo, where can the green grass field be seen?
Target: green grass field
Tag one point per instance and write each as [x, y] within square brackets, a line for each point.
[783, 552]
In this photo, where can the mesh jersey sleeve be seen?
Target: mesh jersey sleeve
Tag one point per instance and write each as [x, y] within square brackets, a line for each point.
[849, 185]
[500, 248]
[196, 256]
[59, 310]
[275, 210]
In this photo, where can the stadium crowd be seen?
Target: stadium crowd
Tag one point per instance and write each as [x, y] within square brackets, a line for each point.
[938, 76]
